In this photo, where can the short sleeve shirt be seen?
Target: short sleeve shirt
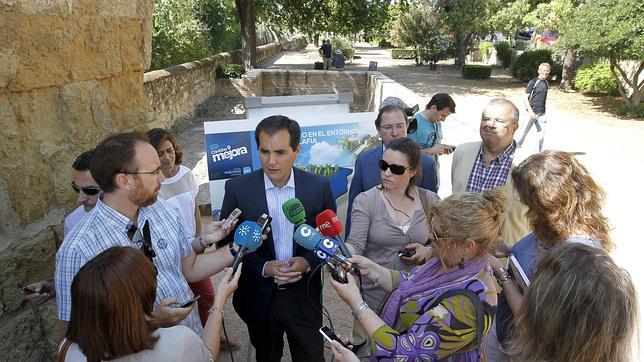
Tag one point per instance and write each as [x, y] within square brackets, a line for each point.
[105, 227]
[429, 134]
[537, 91]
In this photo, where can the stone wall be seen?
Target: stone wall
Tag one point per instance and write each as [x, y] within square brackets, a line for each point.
[71, 73]
[176, 92]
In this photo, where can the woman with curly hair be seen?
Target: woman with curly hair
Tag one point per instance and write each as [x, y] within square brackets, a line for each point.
[580, 307]
[564, 206]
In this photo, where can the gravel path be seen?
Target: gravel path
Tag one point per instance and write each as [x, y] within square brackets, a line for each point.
[610, 146]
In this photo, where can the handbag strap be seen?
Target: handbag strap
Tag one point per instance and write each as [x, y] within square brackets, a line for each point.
[63, 350]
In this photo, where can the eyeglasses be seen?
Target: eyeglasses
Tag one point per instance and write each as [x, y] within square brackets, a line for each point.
[500, 121]
[395, 169]
[390, 127]
[155, 172]
[435, 234]
[89, 191]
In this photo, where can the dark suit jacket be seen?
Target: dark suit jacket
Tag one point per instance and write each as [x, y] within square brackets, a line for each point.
[366, 175]
[252, 297]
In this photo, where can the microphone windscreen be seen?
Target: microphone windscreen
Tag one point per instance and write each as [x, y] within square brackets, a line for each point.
[307, 237]
[249, 235]
[294, 211]
[329, 223]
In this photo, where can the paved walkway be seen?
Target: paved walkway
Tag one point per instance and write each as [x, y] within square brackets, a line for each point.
[611, 147]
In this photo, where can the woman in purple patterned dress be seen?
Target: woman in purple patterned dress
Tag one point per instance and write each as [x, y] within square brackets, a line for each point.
[445, 307]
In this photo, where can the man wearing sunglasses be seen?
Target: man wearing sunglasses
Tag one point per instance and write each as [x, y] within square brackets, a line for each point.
[391, 124]
[487, 164]
[127, 213]
[87, 189]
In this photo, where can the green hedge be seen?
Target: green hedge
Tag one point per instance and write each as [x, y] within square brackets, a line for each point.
[230, 71]
[476, 71]
[344, 45]
[525, 67]
[504, 53]
[485, 47]
[403, 53]
[596, 78]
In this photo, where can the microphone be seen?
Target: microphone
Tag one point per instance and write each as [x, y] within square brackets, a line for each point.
[331, 226]
[294, 211]
[248, 237]
[325, 248]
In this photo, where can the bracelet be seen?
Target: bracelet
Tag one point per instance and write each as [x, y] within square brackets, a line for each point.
[359, 309]
[216, 309]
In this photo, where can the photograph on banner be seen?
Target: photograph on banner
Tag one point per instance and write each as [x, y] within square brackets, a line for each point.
[325, 149]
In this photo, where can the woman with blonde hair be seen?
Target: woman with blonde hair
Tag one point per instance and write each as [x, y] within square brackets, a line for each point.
[444, 307]
[580, 307]
[564, 206]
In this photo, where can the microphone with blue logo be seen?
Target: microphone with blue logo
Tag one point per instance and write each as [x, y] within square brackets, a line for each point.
[326, 249]
[248, 237]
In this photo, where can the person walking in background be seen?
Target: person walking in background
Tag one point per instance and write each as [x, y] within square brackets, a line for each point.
[326, 52]
[535, 103]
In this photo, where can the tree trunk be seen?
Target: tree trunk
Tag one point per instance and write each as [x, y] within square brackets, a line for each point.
[246, 12]
[316, 40]
[461, 45]
[569, 69]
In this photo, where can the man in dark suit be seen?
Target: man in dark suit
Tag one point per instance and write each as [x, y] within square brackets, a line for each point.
[391, 124]
[272, 295]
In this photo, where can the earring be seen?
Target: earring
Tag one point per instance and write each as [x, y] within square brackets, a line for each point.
[462, 263]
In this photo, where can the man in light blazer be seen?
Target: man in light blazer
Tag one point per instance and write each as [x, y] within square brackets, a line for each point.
[487, 164]
[391, 124]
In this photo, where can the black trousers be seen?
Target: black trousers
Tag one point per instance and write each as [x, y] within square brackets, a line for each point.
[293, 313]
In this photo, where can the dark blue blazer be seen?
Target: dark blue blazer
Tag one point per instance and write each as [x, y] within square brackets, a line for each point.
[366, 175]
[246, 192]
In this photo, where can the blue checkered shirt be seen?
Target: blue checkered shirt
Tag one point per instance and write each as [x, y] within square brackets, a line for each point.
[103, 228]
[484, 178]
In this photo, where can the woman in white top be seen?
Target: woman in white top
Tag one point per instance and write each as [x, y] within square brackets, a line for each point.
[112, 296]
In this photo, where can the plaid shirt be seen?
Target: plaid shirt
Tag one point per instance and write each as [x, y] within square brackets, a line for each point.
[485, 178]
[103, 228]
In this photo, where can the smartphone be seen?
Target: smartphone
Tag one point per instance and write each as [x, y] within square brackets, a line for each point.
[189, 302]
[25, 289]
[264, 221]
[328, 334]
[407, 252]
[232, 217]
[338, 274]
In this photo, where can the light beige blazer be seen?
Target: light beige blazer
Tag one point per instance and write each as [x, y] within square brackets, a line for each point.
[514, 224]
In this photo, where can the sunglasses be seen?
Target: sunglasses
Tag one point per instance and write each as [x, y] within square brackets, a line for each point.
[395, 169]
[89, 191]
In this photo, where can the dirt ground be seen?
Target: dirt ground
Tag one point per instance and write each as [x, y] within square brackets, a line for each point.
[610, 146]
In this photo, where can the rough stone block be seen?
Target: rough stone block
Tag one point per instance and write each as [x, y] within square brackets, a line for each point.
[42, 47]
[22, 337]
[95, 48]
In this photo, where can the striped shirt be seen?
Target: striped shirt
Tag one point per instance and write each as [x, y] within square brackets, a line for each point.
[281, 228]
[484, 177]
[105, 227]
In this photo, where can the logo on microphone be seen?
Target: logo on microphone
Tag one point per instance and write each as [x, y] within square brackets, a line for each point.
[295, 209]
[306, 231]
[325, 225]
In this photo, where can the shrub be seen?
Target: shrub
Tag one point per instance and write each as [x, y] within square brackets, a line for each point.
[633, 111]
[486, 49]
[476, 71]
[522, 45]
[230, 71]
[526, 65]
[345, 46]
[403, 53]
[504, 53]
[318, 66]
[596, 78]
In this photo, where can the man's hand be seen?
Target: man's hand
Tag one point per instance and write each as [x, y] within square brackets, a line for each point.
[214, 231]
[166, 316]
[43, 289]
[287, 271]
